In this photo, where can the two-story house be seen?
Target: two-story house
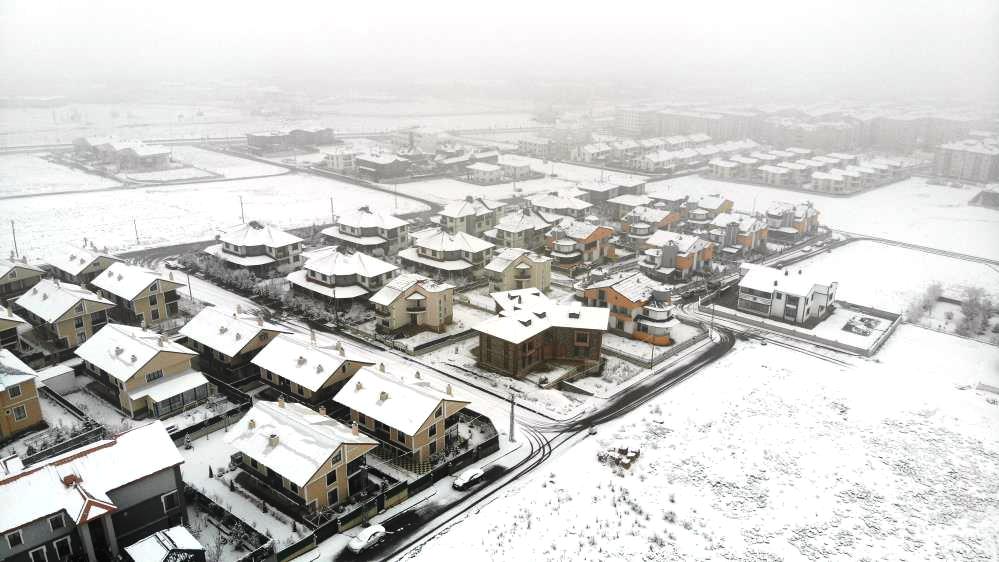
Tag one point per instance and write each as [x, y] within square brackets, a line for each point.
[302, 454]
[639, 306]
[227, 343]
[306, 370]
[451, 257]
[671, 256]
[785, 295]
[20, 409]
[63, 315]
[411, 413]
[789, 222]
[89, 502]
[642, 222]
[517, 268]
[738, 234]
[521, 229]
[623, 204]
[79, 265]
[16, 277]
[340, 276]
[572, 244]
[413, 303]
[369, 231]
[141, 296]
[257, 247]
[471, 215]
[150, 374]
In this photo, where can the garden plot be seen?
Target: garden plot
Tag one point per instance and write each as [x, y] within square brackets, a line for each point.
[224, 164]
[176, 214]
[30, 174]
[769, 454]
[62, 425]
[909, 211]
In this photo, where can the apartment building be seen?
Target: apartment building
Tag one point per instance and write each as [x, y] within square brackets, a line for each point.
[789, 222]
[62, 315]
[517, 268]
[79, 265]
[20, 409]
[415, 415]
[258, 248]
[309, 371]
[150, 375]
[538, 147]
[413, 303]
[370, 231]
[483, 173]
[454, 257]
[16, 277]
[339, 276]
[302, 454]
[87, 503]
[785, 295]
[525, 228]
[515, 168]
[974, 160]
[141, 296]
[671, 256]
[574, 243]
[472, 215]
[639, 306]
[227, 343]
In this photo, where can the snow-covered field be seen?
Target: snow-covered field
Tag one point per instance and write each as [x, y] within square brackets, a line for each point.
[890, 277]
[910, 211]
[176, 214]
[443, 190]
[30, 174]
[176, 174]
[228, 166]
[773, 455]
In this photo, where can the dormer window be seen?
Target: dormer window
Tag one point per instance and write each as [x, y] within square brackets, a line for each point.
[154, 287]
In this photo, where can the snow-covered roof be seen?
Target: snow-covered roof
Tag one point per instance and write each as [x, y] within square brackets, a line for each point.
[557, 202]
[779, 208]
[526, 219]
[577, 230]
[121, 350]
[711, 202]
[218, 251]
[685, 243]
[364, 217]
[774, 170]
[635, 287]
[483, 167]
[79, 482]
[391, 291]
[470, 206]
[7, 265]
[308, 364]
[398, 400]
[526, 313]
[226, 333]
[747, 223]
[442, 241]
[382, 159]
[411, 254]
[596, 186]
[255, 233]
[502, 260]
[148, 149]
[769, 279]
[166, 388]
[305, 438]
[630, 200]
[127, 281]
[333, 260]
[13, 371]
[50, 299]
[74, 259]
[648, 215]
[158, 546]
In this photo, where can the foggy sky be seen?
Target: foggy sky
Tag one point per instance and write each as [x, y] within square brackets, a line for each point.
[892, 48]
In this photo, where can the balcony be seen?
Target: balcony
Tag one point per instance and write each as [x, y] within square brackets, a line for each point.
[416, 308]
[171, 296]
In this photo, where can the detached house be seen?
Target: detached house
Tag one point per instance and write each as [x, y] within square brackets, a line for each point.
[20, 409]
[789, 222]
[451, 257]
[304, 455]
[472, 215]
[413, 303]
[516, 268]
[63, 315]
[412, 414]
[140, 296]
[340, 276]
[642, 222]
[623, 204]
[88, 503]
[574, 243]
[521, 229]
[563, 204]
[738, 234]
[227, 343]
[306, 370]
[257, 247]
[671, 256]
[151, 375]
[80, 266]
[9, 325]
[369, 231]
[639, 307]
[16, 277]
[785, 295]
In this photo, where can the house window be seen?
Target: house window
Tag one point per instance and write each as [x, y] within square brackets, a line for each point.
[253, 463]
[332, 497]
[14, 391]
[56, 522]
[330, 478]
[337, 458]
[583, 338]
[78, 322]
[150, 377]
[155, 314]
[153, 288]
[401, 437]
[361, 420]
[20, 413]
[433, 430]
[433, 447]
[293, 487]
[38, 555]
[169, 501]
[63, 547]
[439, 412]
[14, 540]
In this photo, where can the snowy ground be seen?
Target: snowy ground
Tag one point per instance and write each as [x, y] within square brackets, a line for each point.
[59, 420]
[576, 173]
[209, 535]
[29, 174]
[890, 278]
[183, 213]
[444, 190]
[176, 174]
[773, 455]
[911, 211]
[223, 164]
[640, 349]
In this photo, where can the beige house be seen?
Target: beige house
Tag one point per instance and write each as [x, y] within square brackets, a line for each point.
[257, 247]
[309, 371]
[521, 229]
[63, 315]
[227, 343]
[411, 413]
[370, 231]
[452, 257]
[16, 277]
[517, 268]
[9, 324]
[339, 275]
[307, 456]
[20, 409]
[141, 296]
[472, 215]
[151, 375]
[78, 265]
[413, 302]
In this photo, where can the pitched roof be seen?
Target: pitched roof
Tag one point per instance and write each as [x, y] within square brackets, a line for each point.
[635, 287]
[685, 243]
[255, 233]
[648, 215]
[747, 223]
[470, 206]
[483, 167]
[444, 242]
[528, 312]
[127, 281]
[365, 217]
[7, 265]
[13, 371]
[73, 259]
[391, 291]
[502, 260]
[555, 201]
[333, 260]
[398, 400]
[305, 439]
[50, 299]
[226, 333]
[121, 350]
[577, 230]
[308, 364]
[526, 219]
[769, 279]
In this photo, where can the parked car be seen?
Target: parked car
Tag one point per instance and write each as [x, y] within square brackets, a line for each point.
[366, 539]
[807, 249]
[467, 478]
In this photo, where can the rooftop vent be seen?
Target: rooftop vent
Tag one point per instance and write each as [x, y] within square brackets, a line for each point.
[239, 336]
[526, 321]
[358, 386]
[322, 410]
[574, 314]
[260, 320]
[134, 358]
[34, 290]
[383, 396]
[448, 390]
[119, 277]
[381, 367]
[417, 375]
[353, 429]
[300, 361]
[251, 424]
[319, 368]
[272, 440]
[45, 296]
[223, 329]
[118, 351]
[70, 480]
[280, 401]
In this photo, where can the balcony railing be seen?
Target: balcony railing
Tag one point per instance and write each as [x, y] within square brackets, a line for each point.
[416, 309]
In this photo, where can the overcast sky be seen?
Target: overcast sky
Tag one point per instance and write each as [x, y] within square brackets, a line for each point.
[901, 48]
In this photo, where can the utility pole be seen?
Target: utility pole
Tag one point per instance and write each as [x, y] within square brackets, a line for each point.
[190, 290]
[242, 216]
[513, 402]
[14, 236]
[135, 225]
[332, 213]
[396, 186]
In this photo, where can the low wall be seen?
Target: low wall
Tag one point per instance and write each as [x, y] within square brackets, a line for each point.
[645, 362]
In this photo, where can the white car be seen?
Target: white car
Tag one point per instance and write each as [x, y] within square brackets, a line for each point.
[467, 478]
[807, 249]
[366, 539]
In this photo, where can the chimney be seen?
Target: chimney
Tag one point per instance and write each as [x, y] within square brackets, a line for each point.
[322, 410]
[358, 386]
[70, 480]
[785, 273]
[260, 320]
[383, 396]
[280, 401]
[449, 391]
[252, 424]
[799, 272]
[381, 367]
[272, 440]
[353, 429]
[239, 309]
[417, 374]
[161, 341]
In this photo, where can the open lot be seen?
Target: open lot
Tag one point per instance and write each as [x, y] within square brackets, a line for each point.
[223, 164]
[773, 455]
[910, 211]
[30, 174]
